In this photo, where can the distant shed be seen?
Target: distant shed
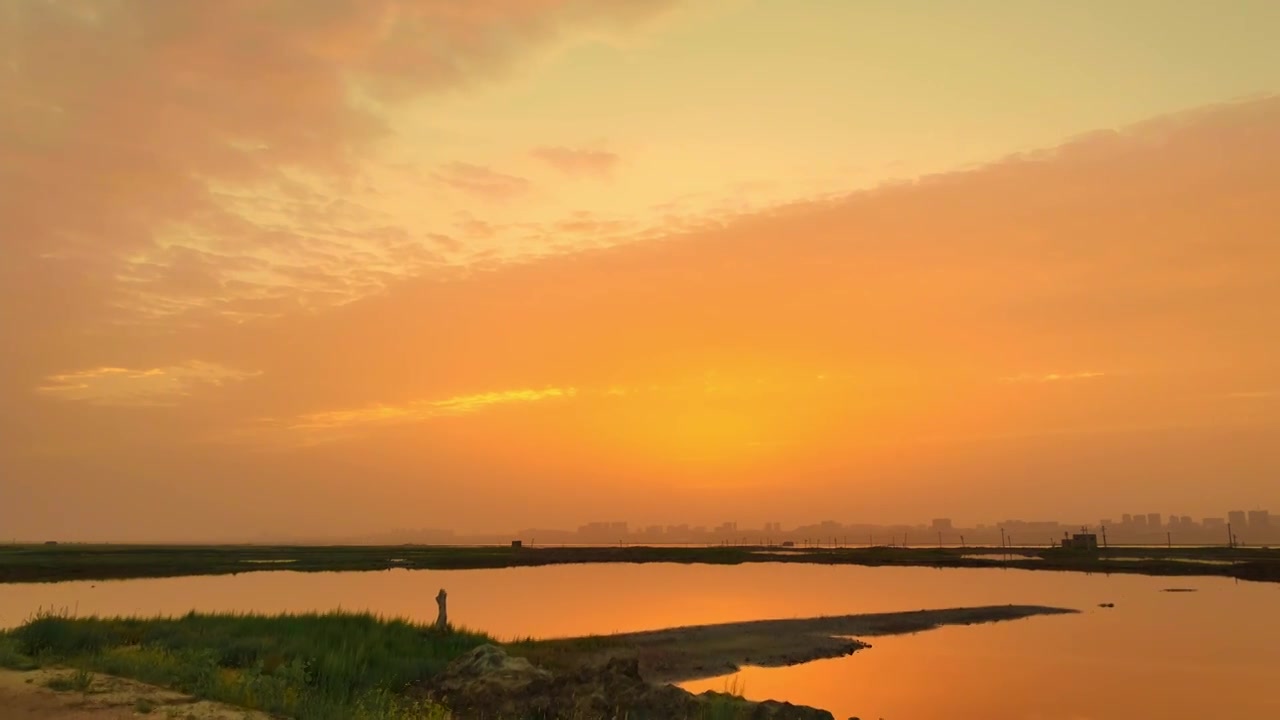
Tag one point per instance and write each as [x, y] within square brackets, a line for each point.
[1081, 541]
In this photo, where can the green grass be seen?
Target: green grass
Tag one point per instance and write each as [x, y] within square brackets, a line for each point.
[80, 681]
[321, 667]
[12, 658]
[51, 563]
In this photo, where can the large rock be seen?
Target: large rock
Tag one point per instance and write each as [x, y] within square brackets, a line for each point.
[488, 671]
[487, 682]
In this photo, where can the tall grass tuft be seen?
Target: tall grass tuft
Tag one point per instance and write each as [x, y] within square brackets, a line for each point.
[735, 686]
[12, 658]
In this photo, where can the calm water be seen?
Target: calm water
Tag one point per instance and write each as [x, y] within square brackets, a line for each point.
[1214, 653]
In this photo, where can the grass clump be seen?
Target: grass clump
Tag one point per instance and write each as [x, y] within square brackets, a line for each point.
[80, 680]
[12, 658]
[331, 666]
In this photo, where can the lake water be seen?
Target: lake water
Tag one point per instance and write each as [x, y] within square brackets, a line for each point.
[1213, 653]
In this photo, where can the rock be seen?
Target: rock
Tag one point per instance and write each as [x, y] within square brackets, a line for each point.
[487, 682]
[488, 671]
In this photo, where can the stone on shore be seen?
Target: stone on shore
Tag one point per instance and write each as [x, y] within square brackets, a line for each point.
[487, 682]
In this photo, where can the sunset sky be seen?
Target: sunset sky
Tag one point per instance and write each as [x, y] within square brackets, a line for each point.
[327, 267]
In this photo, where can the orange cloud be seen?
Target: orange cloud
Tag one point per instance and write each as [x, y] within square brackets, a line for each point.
[482, 182]
[186, 155]
[1054, 377]
[124, 386]
[572, 161]
[336, 424]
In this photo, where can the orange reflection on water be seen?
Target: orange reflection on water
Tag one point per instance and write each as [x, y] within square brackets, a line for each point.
[1207, 654]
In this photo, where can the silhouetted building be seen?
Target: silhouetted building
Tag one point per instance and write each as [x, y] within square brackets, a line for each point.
[941, 524]
[1237, 518]
[1153, 520]
[1081, 541]
[1213, 522]
[1259, 519]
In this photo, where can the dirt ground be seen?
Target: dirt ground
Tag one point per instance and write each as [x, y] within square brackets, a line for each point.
[26, 696]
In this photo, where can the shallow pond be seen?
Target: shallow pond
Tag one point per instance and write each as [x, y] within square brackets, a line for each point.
[1214, 653]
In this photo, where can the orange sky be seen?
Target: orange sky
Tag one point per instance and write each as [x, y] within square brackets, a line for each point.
[333, 267]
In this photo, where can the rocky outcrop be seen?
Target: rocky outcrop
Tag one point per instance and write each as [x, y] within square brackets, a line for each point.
[489, 683]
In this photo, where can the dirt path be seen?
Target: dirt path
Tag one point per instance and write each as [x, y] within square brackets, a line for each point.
[27, 696]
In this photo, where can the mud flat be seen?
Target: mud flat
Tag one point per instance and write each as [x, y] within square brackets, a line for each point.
[701, 651]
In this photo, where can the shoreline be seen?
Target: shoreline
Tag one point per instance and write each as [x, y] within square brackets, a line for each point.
[697, 652]
[57, 563]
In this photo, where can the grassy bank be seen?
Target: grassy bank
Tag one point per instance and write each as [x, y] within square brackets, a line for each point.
[334, 666]
[326, 667]
[50, 563]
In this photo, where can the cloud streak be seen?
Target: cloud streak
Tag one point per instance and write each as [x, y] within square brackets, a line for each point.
[1053, 377]
[139, 387]
[573, 161]
[418, 411]
[482, 182]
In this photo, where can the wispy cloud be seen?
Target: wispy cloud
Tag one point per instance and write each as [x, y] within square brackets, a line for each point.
[586, 223]
[482, 182]
[419, 410]
[1052, 377]
[571, 161]
[1253, 394]
[127, 386]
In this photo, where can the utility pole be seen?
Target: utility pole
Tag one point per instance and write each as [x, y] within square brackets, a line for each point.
[1104, 537]
[1168, 539]
[1230, 538]
[1002, 538]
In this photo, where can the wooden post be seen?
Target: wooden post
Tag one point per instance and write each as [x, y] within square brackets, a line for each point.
[442, 619]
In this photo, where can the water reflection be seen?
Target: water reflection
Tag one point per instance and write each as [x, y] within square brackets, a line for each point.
[1211, 653]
